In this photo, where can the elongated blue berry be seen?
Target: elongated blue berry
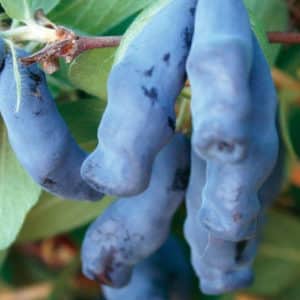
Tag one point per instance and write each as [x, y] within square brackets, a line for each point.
[219, 67]
[142, 88]
[165, 275]
[231, 204]
[133, 228]
[39, 135]
[222, 265]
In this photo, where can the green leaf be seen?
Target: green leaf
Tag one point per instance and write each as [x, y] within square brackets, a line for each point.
[90, 71]
[23, 10]
[289, 60]
[138, 25]
[99, 62]
[3, 254]
[263, 41]
[288, 115]
[277, 268]
[18, 193]
[94, 16]
[83, 118]
[268, 15]
[273, 14]
[53, 216]
[278, 263]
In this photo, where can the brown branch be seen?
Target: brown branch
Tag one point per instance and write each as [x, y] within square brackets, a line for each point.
[87, 43]
[69, 46]
[284, 37]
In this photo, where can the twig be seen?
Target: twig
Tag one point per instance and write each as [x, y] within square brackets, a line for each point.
[284, 37]
[63, 42]
[68, 46]
[87, 43]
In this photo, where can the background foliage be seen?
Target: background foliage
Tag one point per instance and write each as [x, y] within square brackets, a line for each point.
[40, 235]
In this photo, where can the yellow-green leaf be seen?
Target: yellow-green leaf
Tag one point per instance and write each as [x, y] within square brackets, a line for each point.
[18, 192]
[23, 10]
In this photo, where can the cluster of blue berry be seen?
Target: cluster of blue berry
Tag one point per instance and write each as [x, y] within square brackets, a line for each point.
[234, 156]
